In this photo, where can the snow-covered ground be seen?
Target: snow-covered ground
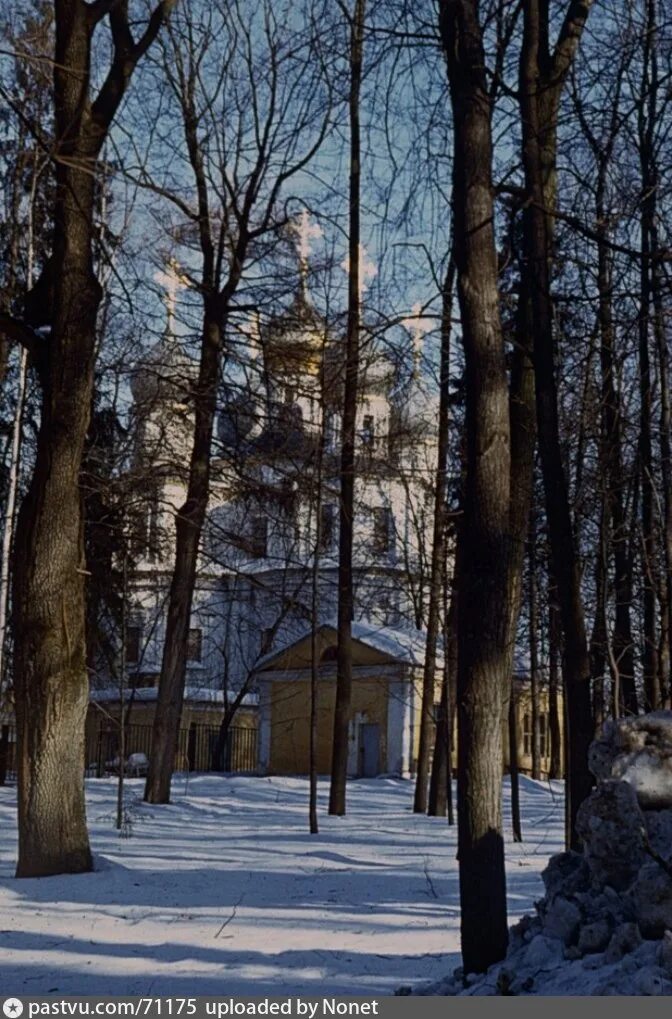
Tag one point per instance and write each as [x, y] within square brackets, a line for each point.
[225, 892]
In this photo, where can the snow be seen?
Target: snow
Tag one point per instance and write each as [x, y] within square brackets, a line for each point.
[225, 892]
[407, 646]
[148, 694]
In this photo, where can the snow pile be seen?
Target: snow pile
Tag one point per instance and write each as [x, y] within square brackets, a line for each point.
[604, 925]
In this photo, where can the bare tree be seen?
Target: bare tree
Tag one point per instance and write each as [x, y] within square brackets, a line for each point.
[483, 656]
[48, 592]
[339, 764]
[290, 113]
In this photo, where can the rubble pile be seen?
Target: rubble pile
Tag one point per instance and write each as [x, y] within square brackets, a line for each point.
[604, 925]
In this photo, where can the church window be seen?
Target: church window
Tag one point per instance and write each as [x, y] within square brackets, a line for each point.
[259, 537]
[133, 642]
[382, 529]
[327, 527]
[195, 644]
[368, 431]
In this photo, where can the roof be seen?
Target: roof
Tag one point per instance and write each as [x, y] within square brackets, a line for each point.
[406, 647]
[148, 694]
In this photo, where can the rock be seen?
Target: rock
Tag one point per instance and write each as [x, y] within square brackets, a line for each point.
[543, 952]
[659, 830]
[625, 939]
[594, 937]
[650, 981]
[611, 824]
[651, 900]
[561, 920]
[523, 931]
[665, 954]
[593, 961]
[565, 874]
[571, 954]
[638, 751]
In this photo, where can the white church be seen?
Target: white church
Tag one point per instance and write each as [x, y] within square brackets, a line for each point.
[265, 578]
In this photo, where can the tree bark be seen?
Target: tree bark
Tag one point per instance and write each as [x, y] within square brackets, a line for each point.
[483, 655]
[188, 529]
[513, 769]
[555, 769]
[542, 78]
[437, 566]
[339, 763]
[50, 677]
[649, 182]
[533, 621]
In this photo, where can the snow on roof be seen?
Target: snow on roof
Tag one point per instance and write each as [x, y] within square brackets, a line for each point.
[407, 646]
[148, 694]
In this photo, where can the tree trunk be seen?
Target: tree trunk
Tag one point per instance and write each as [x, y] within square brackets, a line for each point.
[483, 656]
[611, 452]
[51, 682]
[666, 472]
[339, 763]
[50, 677]
[555, 730]
[533, 622]
[437, 567]
[513, 769]
[541, 79]
[188, 528]
[649, 183]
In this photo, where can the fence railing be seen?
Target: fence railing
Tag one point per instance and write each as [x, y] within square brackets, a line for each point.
[7, 754]
[200, 748]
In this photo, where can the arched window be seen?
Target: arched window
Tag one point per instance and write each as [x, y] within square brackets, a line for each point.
[330, 654]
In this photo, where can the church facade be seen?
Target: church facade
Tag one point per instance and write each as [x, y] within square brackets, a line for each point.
[268, 570]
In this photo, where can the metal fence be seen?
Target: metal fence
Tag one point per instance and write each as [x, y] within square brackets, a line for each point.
[7, 754]
[200, 748]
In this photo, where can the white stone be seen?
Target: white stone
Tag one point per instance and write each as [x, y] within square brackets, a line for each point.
[638, 751]
[610, 824]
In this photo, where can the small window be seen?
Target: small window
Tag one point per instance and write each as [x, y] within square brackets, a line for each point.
[382, 529]
[394, 435]
[527, 735]
[194, 645]
[330, 654]
[327, 527]
[259, 537]
[368, 431]
[332, 428]
[266, 640]
[543, 735]
[133, 642]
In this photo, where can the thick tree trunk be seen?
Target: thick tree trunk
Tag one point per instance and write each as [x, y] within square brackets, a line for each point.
[50, 677]
[483, 656]
[188, 528]
[437, 567]
[339, 763]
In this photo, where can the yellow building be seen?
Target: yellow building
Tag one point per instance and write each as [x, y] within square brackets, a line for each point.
[385, 709]
[199, 746]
